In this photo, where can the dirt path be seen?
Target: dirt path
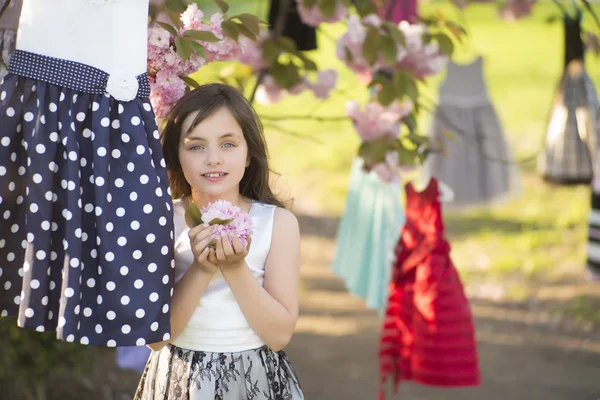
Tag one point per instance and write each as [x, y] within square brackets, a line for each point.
[334, 348]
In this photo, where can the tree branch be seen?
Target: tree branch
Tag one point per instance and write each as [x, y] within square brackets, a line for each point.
[588, 7]
[282, 13]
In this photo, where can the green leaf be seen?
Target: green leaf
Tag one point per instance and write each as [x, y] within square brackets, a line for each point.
[389, 49]
[251, 22]
[230, 28]
[371, 45]
[411, 90]
[445, 43]
[349, 56]
[399, 82]
[198, 49]
[246, 32]
[396, 34]
[309, 64]
[203, 36]
[285, 75]
[218, 221]
[364, 7]
[175, 18]
[270, 51]
[287, 44]
[374, 151]
[189, 81]
[552, 19]
[193, 216]
[327, 7]
[386, 95]
[184, 48]
[411, 122]
[168, 27]
[222, 5]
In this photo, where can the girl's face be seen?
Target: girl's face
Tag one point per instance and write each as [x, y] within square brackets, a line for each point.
[214, 155]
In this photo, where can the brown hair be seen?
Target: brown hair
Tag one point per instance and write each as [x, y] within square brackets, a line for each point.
[205, 100]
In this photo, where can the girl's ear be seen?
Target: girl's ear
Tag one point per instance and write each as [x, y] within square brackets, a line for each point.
[248, 162]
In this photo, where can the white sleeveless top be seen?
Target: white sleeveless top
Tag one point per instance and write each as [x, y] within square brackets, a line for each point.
[117, 30]
[218, 324]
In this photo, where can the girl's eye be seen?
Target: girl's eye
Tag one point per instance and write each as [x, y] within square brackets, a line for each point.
[196, 147]
[228, 144]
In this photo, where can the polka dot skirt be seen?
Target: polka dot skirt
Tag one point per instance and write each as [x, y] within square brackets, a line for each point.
[86, 231]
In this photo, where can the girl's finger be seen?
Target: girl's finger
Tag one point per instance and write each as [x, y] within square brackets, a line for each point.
[227, 248]
[237, 245]
[220, 253]
[204, 258]
[212, 257]
[200, 231]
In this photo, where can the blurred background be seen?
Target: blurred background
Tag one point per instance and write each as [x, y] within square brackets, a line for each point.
[522, 262]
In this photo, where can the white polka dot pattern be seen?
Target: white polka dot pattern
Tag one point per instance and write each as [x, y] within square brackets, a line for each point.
[67, 74]
[84, 244]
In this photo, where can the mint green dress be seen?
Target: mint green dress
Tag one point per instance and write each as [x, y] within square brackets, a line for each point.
[367, 234]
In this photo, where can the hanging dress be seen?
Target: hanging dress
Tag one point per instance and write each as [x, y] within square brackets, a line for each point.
[86, 235]
[367, 233]
[428, 333]
[593, 244]
[476, 162]
[9, 23]
[305, 36]
[571, 139]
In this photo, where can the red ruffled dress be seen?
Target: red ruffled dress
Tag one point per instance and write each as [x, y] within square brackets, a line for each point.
[428, 333]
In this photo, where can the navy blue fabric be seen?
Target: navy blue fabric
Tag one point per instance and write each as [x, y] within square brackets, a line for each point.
[86, 230]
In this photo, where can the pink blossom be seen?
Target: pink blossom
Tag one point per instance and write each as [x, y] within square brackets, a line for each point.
[377, 121]
[252, 53]
[159, 37]
[314, 17]
[352, 42]
[420, 58]
[326, 81]
[388, 170]
[241, 226]
[516, 9]
[268, 92]
[192, 18]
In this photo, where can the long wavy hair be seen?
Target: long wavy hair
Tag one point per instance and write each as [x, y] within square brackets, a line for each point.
[206, 100]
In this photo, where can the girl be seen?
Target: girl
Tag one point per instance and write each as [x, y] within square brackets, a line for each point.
[234, 309]
[82, 176]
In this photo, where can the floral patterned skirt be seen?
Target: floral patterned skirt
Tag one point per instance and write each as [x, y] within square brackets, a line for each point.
[174, 373]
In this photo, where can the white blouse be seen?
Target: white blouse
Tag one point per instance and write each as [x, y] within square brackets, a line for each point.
[218, 324]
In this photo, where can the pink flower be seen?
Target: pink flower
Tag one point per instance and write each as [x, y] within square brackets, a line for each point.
[252, 53]
[314, 17]
[159, 37]
[326, 81]
[241, 226]
[388, 170]
[516, 9]
[422, 59]
[192, 18]
[352, 42]
[377, 121]
[268, 92]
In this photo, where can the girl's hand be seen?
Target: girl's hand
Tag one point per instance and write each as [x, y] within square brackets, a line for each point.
[200, 239]
[227, 255]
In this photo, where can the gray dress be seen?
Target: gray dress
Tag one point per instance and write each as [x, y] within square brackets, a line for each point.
[474, 158]
[571, 136]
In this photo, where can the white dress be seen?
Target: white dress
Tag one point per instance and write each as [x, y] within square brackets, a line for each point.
[218, 355]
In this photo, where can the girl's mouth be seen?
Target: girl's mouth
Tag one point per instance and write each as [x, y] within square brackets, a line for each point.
[214, 176]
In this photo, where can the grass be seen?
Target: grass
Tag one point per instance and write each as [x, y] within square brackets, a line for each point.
[539, 235]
